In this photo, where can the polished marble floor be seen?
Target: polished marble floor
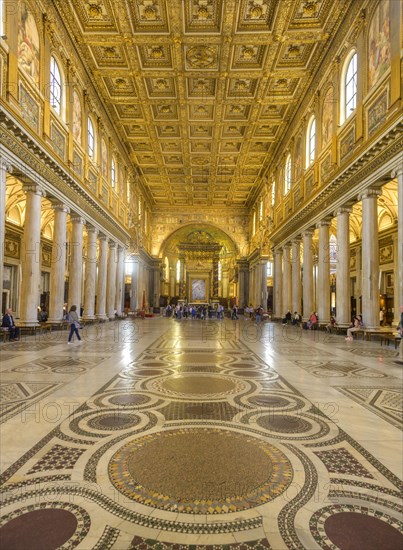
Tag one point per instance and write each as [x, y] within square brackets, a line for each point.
[163, 434]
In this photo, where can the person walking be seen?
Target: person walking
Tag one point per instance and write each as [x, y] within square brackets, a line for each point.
[74, 322]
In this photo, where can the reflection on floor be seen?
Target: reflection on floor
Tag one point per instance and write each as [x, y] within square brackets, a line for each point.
[219, 434]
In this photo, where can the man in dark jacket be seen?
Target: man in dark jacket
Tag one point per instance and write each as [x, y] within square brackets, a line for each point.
[8, 323]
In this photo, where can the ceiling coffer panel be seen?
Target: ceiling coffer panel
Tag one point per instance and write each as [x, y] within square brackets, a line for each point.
[201, 91]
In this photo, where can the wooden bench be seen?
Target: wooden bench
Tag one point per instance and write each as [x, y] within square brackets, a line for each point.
[387, 338]
[5, 335]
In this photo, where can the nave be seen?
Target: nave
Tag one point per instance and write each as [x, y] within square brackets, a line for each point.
[163, 434]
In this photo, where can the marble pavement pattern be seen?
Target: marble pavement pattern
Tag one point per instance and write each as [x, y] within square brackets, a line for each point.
[218, 434]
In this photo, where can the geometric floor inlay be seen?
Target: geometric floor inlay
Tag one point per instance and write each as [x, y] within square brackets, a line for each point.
[200, 439]
[384, 402]
[200, 471]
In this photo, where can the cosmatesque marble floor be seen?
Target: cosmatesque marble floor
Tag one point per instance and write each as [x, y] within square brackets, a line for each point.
[165, 434]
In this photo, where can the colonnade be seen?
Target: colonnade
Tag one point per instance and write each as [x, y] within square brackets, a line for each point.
[103, 290]
[294, 287]
[257, 284]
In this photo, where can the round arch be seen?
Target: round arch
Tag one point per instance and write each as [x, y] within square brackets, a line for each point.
[182, 232]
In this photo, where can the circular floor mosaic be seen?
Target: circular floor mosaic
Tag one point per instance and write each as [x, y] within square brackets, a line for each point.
[129, 399]
[194, 384]
[45, 526]
[200, 471]
[114, 421]
[349, 531]
[284, 424]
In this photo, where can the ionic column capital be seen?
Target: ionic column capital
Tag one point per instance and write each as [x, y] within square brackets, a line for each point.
[369, 194]
[6, 166]
[287, 246]
[76, 218]
[60, 207]
[278, 251]
[308, 232]
[296, 240]
[397, 172]
[343, 210]
[323, 223]
[92, 229]
[33, 188]
[112, 244]
[103, 237]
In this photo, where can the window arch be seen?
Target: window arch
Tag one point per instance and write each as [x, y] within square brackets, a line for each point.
[56, 82]
[113, 173]
[348, 95]
[311, 141]
[287, 174]
[90, 139]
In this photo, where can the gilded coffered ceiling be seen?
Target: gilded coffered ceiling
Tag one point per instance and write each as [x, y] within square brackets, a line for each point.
[202, 90]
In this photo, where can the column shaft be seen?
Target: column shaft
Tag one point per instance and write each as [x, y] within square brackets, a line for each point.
[58, 264]
[296, 276]
[76, 262]
[90, 274]
[308, 275]
[324, 273]
[31, 257]
[3, 177]
[370, 258]
[278, 278]
[120, 282]
[287, 282]
[263, 285]
[102, 274]
[343, 294]
[399, 274]
[111, 282]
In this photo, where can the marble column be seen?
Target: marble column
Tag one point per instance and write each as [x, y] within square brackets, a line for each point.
[157, 285]
[287, 282]
[263, 285]
[76, 262]
[399, 272]
[296, 276]
[133, 290]
[370, 257]
[396, 283]
[307, 274]
[278, 278]
[225, 283]
[111, 281]
[4, 168]
[58, 264]
[172, 277]
[343, 292]
[358, 278]
[182, 278]
[215, 277]
[31, 256]
[120, 281]
[90, 274]
[324, 272]
[102, 275]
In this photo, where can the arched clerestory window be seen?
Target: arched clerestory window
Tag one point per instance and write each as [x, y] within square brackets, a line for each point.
[311, 142]
[113, 173]
[90, 139]
[56, 87]
[287, 174]
[348, 92]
